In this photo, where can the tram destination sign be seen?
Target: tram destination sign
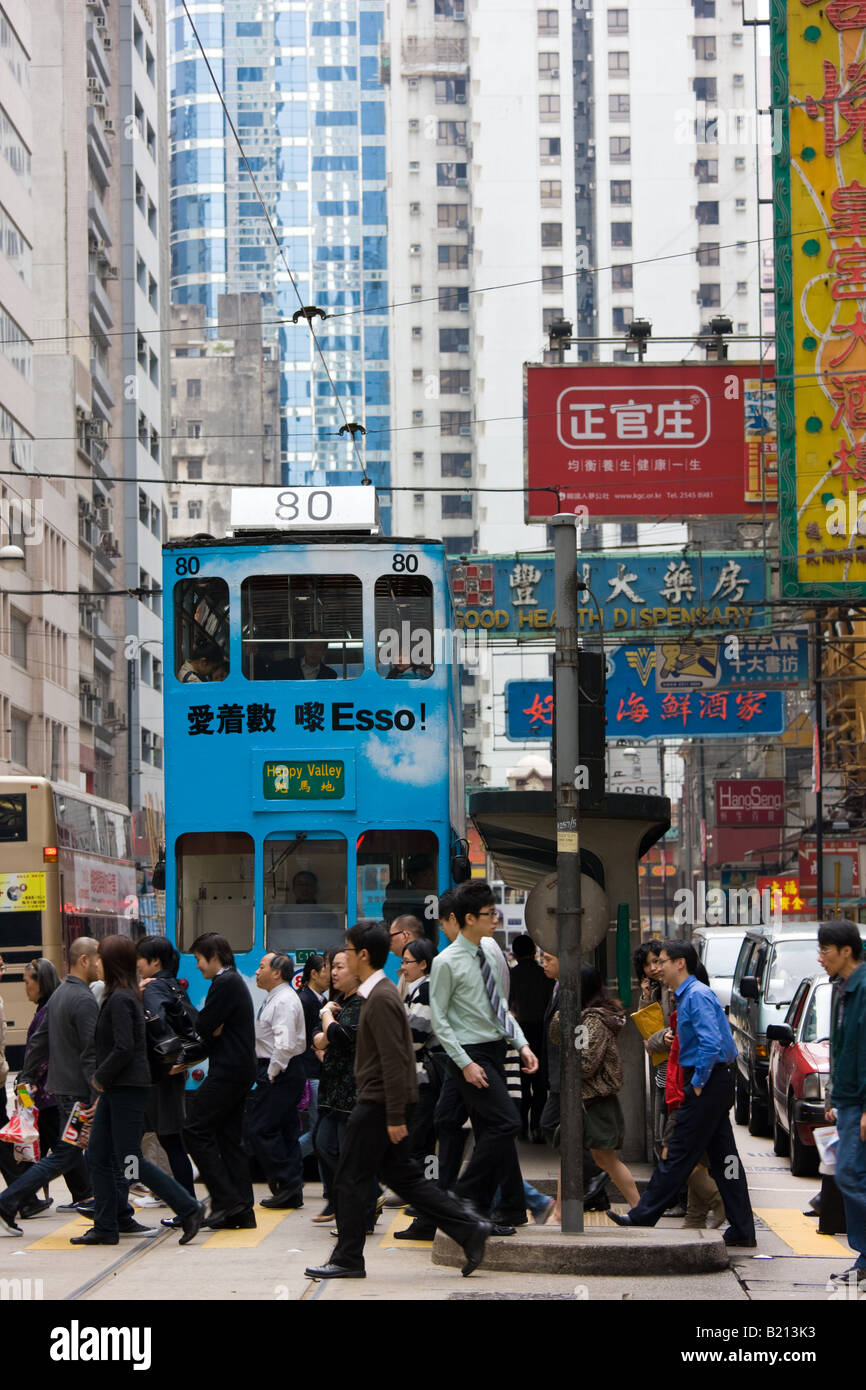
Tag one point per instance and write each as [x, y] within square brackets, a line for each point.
[304, 509]
[313, 779]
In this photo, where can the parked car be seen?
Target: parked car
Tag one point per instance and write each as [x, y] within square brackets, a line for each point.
[718, 949]
[799, 1071]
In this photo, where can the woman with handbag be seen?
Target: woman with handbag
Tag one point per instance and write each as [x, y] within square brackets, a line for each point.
[122, 1081]
[166, 1110]
[40, 982]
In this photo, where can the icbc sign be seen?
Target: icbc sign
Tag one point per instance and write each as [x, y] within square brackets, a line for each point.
[649, 441]
[740, 801]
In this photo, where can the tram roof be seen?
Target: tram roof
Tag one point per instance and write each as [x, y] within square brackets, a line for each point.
[296, 538]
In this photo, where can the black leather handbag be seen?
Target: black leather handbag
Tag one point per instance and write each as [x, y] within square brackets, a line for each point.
[172, 1033]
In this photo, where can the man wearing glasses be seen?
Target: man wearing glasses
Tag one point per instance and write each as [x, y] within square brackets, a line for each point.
[839, 951]
[469, 1012]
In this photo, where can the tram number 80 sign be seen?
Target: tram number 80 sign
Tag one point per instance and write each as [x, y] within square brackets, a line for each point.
[303, 781]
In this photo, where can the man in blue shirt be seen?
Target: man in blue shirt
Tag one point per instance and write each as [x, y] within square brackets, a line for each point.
[703, 1121]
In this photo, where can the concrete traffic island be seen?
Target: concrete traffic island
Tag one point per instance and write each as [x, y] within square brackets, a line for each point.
[545, 1250]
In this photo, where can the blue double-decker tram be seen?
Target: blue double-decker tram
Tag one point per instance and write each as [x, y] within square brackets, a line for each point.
[314, 762]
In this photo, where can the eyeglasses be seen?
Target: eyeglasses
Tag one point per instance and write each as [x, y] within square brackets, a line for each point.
[487, 912]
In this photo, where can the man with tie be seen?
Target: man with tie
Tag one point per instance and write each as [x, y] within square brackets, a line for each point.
[470, 1017]
[272, 1110]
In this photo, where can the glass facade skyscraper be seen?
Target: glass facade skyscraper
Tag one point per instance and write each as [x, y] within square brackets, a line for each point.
[301, 80]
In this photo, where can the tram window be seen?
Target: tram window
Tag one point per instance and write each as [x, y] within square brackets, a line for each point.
[397, 875]
[404, 627]
[215, 887]
[302, 627]
[304, 893]
[201, 630]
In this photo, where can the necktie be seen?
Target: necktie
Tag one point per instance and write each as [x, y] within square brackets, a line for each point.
[506, 1022]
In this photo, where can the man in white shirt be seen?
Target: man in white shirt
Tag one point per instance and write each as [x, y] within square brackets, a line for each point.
[272, 1116]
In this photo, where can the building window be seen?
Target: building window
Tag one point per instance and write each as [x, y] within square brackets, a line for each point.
[707, 214]
[704, 9]
[548, 65]
[193, 429]
[193, 387]
[454, 297]
[620, 192]
[449, 91]
[621, 277]
[549, 317]
[455, 421]
[707, 170]
[551, 233]
[548, 21]
[617, 65]
[620, 234]
[456, 506]
[551, 193]
[18, 640]
[452, 257]
[550, 149]
[451, 133]
[417, 417]
[453, 339]
[452, 214]
[742, 287]
[619, 106]
[453, 383]
[740, 164]
[706, 88]
[617, 21]
[620, 149]
[710, 296]
[456, 465]
[705, 48]
[548, 108]
[194, 511]
[193, 469]
[448, 9]
[447, 175]
[621, 318]
[551, 279]
[708, 254]
[18, 728]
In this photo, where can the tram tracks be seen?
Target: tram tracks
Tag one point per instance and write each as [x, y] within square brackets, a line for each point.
[138, 1250]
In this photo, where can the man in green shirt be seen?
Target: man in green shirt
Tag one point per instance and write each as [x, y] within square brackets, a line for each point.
[470, 1017]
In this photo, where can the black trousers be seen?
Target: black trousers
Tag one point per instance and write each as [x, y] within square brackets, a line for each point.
[533, 1088]
[367, 1151]
[496, 1123]
[213, 1139]
[65, 1159]
[703, 1124]
[114, 1154]
[449, 1118]
[273, 1125]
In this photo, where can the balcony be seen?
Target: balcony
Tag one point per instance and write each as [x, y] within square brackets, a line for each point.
[98, 152]
[99, 304]
[97, 64]
[97, 217]
[441, 57]
[100, 386]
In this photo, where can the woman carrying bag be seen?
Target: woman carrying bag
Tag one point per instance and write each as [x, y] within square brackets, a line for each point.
[165, 1114]
[122, 1082]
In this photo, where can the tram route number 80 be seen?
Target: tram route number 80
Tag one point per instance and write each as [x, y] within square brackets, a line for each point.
[404, 564]
[288, 505]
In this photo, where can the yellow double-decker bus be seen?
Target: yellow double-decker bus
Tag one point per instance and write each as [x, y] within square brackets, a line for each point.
[66, 870]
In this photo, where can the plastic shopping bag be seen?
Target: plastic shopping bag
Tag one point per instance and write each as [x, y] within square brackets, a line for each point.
[827, 1144]
[21, 1130]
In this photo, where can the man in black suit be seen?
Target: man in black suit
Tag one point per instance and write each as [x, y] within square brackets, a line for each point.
[215, 1112]
[311, 665]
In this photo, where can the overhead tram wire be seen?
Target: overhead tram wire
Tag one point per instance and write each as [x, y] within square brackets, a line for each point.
[349, 427]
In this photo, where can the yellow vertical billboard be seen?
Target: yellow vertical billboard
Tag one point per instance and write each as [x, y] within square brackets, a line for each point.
[819, 91]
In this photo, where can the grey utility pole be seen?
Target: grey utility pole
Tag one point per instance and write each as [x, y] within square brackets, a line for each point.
[566, 701]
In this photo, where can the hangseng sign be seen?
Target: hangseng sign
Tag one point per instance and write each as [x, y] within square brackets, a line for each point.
[512, 596]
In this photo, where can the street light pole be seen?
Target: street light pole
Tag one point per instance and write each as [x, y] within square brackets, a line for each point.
[566, 702]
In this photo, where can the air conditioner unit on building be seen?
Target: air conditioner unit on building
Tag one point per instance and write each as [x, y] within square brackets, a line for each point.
[106, 44]
[465, 390]
[114, 714]
[102, 518]
[415, 249]
[461, 183]
[100, 22]
[86, 688]
[462, 347]
[94, 428]
[465, 429]
[108, 126]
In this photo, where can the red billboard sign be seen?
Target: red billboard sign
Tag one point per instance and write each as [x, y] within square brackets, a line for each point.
[741, 801]
[649, 442]
[841, 866]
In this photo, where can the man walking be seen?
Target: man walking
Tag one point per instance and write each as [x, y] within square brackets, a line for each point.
[66, 1038]
[468, 989]
[215, 1112]
[703, 1123]
[376, 1140]
[839, 951]
[272, 1116]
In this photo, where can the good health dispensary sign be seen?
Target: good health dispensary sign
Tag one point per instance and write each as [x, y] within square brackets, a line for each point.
[819, 86]
[649, 442]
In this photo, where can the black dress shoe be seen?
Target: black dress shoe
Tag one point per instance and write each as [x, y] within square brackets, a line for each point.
[36, 1207]
[595, 1187]
[174, 1222]
[94, 1237]
[283, 1200]
[620, 1218]
[331, 1271]
[243, 1219]
[600, 1202]
[734, 1238]
[418, 1230]
[473, 1249]
[498, 1228]
[509, 1218]
[192, 1224]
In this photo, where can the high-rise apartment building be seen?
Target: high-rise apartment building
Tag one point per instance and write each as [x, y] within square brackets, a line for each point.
[302, 84]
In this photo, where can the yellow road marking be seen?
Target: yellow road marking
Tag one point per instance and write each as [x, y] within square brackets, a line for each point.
[266, 1222]
[59, 1237]
[800, 1232]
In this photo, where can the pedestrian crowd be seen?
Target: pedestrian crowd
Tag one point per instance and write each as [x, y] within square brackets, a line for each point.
[382, 1080]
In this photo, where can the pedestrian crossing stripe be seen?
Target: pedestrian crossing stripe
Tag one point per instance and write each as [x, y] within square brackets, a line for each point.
[266, 1222]
[800, 1232]
[59, 1237]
